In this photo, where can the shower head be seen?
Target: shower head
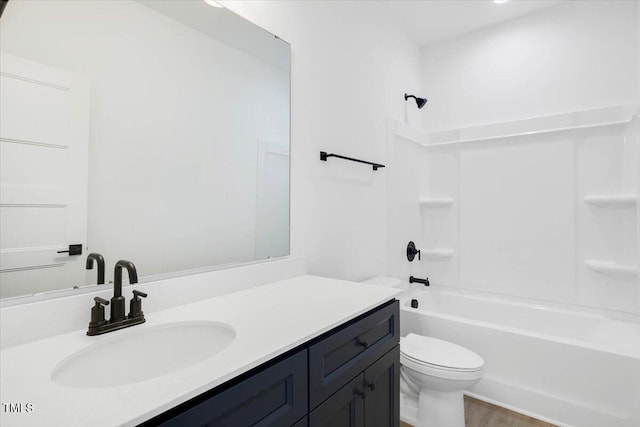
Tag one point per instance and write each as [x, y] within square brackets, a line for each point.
[420, 102]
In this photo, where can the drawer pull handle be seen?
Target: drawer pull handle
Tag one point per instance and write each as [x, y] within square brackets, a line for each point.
[371, 385]
[361, 343]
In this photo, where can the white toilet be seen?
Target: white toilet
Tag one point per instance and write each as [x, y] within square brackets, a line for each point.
[433, 375]
[436, 372]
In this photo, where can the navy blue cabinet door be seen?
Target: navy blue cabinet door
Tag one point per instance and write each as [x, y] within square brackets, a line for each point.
[344, 409]
[276, 396]
[302, 423]
[382, 388]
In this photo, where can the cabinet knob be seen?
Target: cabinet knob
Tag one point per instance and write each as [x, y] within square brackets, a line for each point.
[361, 393]
[362, 343]
[371, 385]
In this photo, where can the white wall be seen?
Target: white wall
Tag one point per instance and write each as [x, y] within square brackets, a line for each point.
[160, 99]
[404, 190]
[576, 56]
[349, 72]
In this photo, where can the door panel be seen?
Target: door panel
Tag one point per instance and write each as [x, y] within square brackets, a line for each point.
[44, 137]
[38, 226]
[35, 111]
[382, 385]
[302, 423]
[343, 409]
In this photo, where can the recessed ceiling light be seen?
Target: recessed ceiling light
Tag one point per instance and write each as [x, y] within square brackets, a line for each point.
[213, 3]
[495, 1]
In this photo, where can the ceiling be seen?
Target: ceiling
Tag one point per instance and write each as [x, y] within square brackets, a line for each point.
[428, 21]
[225, 26]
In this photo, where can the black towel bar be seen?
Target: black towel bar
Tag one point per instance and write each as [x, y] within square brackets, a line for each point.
[324, 156]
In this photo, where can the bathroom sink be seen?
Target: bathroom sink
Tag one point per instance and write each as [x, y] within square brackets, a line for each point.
[140, 355]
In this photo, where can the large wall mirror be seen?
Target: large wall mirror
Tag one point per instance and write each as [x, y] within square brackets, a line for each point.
[155, 131]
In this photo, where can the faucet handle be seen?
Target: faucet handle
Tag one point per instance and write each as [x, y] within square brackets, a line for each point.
[97, 314]
[412, 251]
[99, 301]
[135, 306]
[137, 293]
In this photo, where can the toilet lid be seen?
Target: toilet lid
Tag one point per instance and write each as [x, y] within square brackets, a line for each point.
[445, 354]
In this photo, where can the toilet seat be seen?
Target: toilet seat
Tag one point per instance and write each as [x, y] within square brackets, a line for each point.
[438, 355]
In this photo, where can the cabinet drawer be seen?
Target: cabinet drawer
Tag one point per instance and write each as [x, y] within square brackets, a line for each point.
[337, 359]
[276, 396]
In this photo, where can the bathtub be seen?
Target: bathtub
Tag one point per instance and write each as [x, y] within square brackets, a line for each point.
[565, 367]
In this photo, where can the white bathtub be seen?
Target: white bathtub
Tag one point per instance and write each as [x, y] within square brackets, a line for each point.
[569, 368]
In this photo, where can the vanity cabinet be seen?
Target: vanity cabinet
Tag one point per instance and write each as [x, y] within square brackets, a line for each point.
[348, 376]
[372, 399]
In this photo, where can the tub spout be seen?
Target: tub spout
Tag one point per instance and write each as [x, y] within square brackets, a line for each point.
[417, 280]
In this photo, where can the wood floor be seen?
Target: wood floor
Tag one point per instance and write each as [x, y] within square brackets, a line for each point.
[482, 414]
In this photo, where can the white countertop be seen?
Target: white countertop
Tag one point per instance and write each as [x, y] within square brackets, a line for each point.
[269, 320]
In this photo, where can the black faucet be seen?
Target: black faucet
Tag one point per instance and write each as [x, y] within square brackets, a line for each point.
[118, 301]
[417, 280]
[118, 320]
[99, 259]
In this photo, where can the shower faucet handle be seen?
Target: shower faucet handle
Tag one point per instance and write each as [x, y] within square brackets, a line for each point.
[412, 251]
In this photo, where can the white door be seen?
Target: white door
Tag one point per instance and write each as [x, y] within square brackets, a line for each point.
[44, 134]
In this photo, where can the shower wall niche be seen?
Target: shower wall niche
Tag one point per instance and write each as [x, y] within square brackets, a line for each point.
[544, 209]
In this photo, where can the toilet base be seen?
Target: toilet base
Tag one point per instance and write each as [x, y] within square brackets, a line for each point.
[440, 408]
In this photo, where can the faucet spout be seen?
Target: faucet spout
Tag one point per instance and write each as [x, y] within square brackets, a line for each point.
[417, 280]
[98, 259]
[117, 276]
[117, 302]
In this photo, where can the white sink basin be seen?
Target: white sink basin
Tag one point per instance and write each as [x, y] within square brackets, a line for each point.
[139, 355]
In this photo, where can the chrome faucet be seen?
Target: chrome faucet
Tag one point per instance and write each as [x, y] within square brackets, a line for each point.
[118, 320]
